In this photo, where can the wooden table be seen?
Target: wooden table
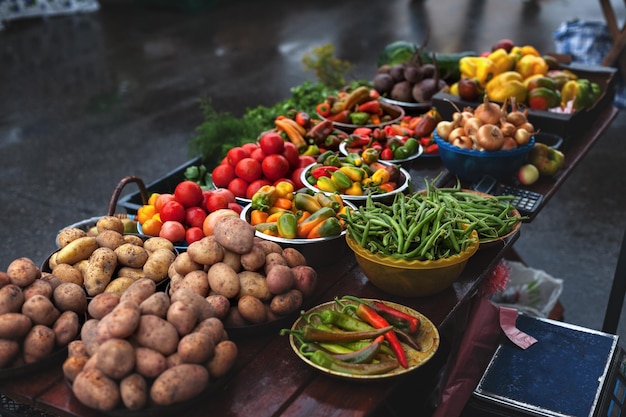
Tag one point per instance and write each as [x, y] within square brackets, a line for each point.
[270, 380]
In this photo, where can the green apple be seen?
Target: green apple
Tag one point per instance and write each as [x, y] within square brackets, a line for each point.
[528, 174]
[547, 160]
[130, 226]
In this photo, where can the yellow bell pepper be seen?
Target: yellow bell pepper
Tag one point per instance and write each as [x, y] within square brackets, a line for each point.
[531, 65]
[529, 50]
[502, 61]
[454, 89]
[506, 85]
[479, 67]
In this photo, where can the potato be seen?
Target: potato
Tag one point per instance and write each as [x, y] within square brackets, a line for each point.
[70, 296]
[119, 285]
[38, 343]
[232, 259]
[183, 264]
[40, 310]
[153, 243]
[149, 362]
[102, 304]
[77, 348]
[279, 279]
[23, 272]
[157, 304]
[111, 239]
[69, 234]
[174, 360]
[66, 328]
[234, 234]
[110, 223]
[178, 384]
[253, 283]
[89, 335]
[220, 305]
[52, 279]
[76, 250]
[234, 318]
[69, 273]
[157, 333]
[223, 279]
[213, 327]
[294, 257]
[204, 309]
[272, 259]
[116, 358]
[139, 290]
[268, 246]
[253, 260]
[205, 251]
[9, 351]
[120, 323]
[4, 279]
[133, 273]
[196, 347]
[73, 365]
[305, 279]
[14, 326]
[197, 281]
[224, 358]
[11, 299]
[133, 239]
[287, 303]
[182, 316]
[251, 309]
[38, 286]
[102, 264]
[134, 392]
[131, 255]
[94, 389]
[158, 263]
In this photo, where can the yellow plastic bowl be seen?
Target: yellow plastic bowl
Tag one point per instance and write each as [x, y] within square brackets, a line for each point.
[411, 278]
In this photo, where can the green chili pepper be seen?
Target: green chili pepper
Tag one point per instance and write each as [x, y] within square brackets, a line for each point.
[310, 333]
[326, 360]
[359, 118]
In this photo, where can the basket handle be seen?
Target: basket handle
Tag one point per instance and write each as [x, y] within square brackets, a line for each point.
[120, 186]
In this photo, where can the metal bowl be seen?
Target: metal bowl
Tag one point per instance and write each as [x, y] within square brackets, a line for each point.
[343, 148]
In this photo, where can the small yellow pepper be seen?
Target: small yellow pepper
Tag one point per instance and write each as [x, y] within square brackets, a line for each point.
[479, 67]
[531, 65]
[529, 50]
[506, 85]
[355, 189]
[284, 189]
[380, 176]
[502, 61]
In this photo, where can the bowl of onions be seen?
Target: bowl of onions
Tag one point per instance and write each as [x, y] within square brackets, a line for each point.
[487, 140]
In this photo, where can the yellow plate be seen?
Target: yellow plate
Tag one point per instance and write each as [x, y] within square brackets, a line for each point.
[427, 338]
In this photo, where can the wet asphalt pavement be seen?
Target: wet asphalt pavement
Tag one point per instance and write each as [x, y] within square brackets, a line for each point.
[86, 100]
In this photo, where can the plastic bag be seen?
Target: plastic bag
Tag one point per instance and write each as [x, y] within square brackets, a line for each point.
[532, 291]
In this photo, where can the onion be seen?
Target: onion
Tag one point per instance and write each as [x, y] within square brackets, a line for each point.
[489, 137]
[472, 125]
[456, 132]
[488, 112]
[522, 136]
[527, 126]
[463, 142]
[444, 128]
[507, 128]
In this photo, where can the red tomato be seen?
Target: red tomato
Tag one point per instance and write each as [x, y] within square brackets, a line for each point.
[305, 161]
[238, 187]
[216, 202]
[291, 153]
[172, 211]
[226, 192]
[194, 216]
[272, 143]
[250, 147]
[258, 154]
[188, 193]
[236, 154]
[249, 169]
[295, 178]
[235, 207]
[205, 196]
[193, 234]
[255, 185]
[222, 175]
[173, 231]
[275, 167]
[161, 200]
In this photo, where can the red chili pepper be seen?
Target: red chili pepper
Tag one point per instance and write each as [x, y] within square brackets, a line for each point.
[430, 149]
[369, 315]
[341, 117]
[425, 141]
[356, 141]
[372, 106]
[389, 131]
[323, 109]
[303, 119]
[323, 171]
[362, 131]
[412, 321]
[386, 154]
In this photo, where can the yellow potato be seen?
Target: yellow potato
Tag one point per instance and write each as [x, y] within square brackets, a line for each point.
[119, 285]
[102, 264]
[131, 255]
[153, 243]
[205, 251]
[253, 283]
[70, 273]
[69, 234]
[76, 250]
[224, 358]
[110, 223]
[111, 239]
[158, 264]
[223, 279]
[179, 383]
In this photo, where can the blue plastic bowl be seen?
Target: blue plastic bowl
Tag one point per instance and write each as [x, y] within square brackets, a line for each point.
[471, 164]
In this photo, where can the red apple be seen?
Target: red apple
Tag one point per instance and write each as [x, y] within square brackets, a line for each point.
[506, 44]
[528, 174]
[547, 160]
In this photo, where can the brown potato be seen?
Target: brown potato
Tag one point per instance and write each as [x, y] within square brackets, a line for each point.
[38, 343]
[232, 259]
[111, 239]
[220, 305]
[253, 260]
[40, 287]
[149, 362]
[223, 279]
[197, 281]
[133, 239]
[234, 234]
[272, 259]
[253, 283]
[251, 309]
[77, 348]
[73, 365]
[4, 279]
[76, 250]
[40, 310]
[11, 299]
[205, 251]
[110, 223]
[120, 323]
[133, 273]
[183, 264]
[182, 316]
[268, 246]
[153, 243]
[287, 303]
[66, 328]
[139, 290]
[204, 309]
[102, 304]
[9, 351]
[69, 234]
[179, 383]
[89, 336]
[224, 358]
[213, 327]
[158, 264]
[134, 392]
[51, 279]
[294, 257]
[131, 255]
[102, 264]
[196, 347]
[23, 272]
[119, 285]
[70, 296]
[14, 326]
[157, 304]
[279, 279]
[116, 358]
[234, 318]
[69, 273]
[157, 333]
[305, 279]
[94, 389]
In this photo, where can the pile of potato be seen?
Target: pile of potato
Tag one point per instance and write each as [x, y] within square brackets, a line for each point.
[38, 314]
[144, 348]
[248, 280]
[110, 261]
